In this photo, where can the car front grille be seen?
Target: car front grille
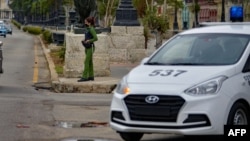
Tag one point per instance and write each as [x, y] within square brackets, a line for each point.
[165, 110]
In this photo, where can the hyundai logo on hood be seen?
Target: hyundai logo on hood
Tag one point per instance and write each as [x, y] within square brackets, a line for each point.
[152, 99]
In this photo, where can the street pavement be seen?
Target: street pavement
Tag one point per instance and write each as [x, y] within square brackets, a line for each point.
[88, 116]
[99, 85]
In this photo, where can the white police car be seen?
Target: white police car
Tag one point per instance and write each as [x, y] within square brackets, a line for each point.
[1, 57]
[194, 84]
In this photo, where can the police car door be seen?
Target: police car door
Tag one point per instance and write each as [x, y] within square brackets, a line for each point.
[246, 77]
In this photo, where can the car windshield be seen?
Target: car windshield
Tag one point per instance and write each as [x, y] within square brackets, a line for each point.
[7, 26]
[201, 49]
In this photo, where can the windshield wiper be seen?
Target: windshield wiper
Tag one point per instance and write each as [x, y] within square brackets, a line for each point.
[177, 64]
[154, 63]
[187, 64]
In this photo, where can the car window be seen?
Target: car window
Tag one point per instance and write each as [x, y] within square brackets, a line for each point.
[175, 50]
[247, 65]
[202, 49]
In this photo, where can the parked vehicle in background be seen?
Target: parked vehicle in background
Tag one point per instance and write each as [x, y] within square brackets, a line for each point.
[8, 28]
[1, 57]
[3, 31]
[194, 84]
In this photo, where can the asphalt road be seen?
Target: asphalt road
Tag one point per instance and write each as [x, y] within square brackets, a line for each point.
[30, 112]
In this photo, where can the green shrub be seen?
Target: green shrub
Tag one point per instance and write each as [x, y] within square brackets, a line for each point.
[47, 36]
[18, 25]
[59, 69]
[25, 28]
[34, 30]
[61, 53]
[58, 58]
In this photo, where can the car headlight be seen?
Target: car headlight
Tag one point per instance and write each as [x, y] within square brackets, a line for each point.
[211, 86]
[122, 87]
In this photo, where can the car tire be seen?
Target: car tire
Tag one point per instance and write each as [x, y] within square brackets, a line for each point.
[239, 115]
[127, 136]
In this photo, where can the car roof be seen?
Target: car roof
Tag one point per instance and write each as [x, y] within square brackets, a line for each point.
[222, 23]
[233, 28]
[7, 25]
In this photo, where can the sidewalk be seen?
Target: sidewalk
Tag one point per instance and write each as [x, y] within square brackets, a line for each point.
[99, 85]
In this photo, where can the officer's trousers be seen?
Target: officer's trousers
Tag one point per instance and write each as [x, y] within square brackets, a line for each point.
[88, 63]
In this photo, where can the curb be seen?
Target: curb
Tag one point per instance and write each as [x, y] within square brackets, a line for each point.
[70, 85]
[53, 74]
[83, 87]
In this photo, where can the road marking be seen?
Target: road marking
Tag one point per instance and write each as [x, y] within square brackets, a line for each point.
[35, 74]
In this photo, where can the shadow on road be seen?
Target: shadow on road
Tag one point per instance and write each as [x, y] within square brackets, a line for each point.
[190, 138]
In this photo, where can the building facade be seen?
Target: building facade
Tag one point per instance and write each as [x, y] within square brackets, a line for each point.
[5, 11]
[209, 11]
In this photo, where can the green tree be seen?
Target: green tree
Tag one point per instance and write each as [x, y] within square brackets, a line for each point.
[86, 8]
[68, 5]
[23, 5]
[107, 10]
[147, 11]
[30, 6]
[141, 6]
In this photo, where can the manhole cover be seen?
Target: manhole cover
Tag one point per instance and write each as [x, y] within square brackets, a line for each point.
[64, 124]
[94, 124]
[87, 139]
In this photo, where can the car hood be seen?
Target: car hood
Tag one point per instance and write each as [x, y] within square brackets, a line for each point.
[176, 75]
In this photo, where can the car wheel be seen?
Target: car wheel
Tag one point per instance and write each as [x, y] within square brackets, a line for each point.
[239, 115]
[4, 36]
[131, 136]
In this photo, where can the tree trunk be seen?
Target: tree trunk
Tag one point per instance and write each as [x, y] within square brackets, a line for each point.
[106, 14]
[110, 13]
[158, 37]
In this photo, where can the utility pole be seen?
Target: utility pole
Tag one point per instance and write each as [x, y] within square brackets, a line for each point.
[164, 9]
[196, 10]
[223, 11]
[175, 24]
